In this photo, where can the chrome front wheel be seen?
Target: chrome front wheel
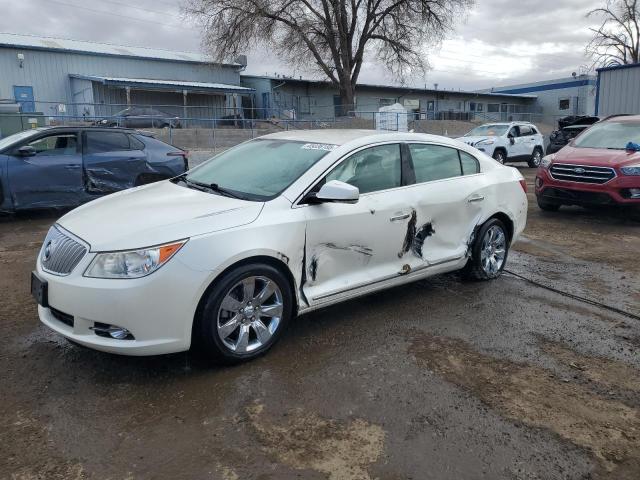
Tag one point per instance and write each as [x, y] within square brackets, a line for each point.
[249, 314]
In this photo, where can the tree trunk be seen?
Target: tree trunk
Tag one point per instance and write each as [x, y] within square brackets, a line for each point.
[347, 101]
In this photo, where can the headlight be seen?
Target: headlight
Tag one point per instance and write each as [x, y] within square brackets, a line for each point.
[132, 263]
[546, 161]
[631, 170]
[485, 142]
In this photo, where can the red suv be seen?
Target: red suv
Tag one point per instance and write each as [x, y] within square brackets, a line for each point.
[601, 166]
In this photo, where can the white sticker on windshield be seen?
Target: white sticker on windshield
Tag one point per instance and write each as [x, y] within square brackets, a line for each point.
[319, 146]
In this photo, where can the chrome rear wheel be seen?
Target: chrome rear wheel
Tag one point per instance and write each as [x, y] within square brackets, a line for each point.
[493, 250]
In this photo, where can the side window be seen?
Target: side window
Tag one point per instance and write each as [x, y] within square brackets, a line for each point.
[371, 170]
[469, 163]
[135, 143]
[434, 162]
[525, 131]
[534, 131]
[100, 142]
[65, 144]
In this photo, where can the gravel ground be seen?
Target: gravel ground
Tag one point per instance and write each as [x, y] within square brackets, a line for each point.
[436, 380]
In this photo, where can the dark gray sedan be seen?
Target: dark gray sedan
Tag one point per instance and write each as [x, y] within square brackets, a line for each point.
[58, 167]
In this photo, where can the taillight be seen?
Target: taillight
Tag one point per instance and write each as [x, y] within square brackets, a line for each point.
[523, 184]
[182, 153]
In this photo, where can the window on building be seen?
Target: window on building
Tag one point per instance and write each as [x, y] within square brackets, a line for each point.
[472, 106]
[305, 104]
[430, 105]
[493, 107]
[479, 107]
[384, 102]
[564, 104]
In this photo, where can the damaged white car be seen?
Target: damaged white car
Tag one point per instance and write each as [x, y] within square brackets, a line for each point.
[224, 256]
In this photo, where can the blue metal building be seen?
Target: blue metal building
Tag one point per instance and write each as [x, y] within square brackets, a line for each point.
[86, 79]
[618, 90]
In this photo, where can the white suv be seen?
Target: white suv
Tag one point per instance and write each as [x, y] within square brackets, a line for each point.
[508, 142]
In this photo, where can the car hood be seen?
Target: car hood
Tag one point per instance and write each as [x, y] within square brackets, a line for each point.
[600, 157]
[473, 140]
[154, 214]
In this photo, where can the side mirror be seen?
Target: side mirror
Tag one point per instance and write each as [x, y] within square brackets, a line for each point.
[512, 139]
[337, 192]
[27, 151]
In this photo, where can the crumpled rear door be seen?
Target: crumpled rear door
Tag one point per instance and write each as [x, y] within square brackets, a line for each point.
[111, 162]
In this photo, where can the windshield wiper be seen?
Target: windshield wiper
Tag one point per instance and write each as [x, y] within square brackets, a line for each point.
[208, 186]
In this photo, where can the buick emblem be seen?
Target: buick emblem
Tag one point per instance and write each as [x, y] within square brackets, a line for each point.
[46, 253]
[579, 170]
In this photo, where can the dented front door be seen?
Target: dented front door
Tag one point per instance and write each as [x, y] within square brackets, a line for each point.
[353, 245]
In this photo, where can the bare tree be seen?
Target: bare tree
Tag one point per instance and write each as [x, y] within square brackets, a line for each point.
[617, 40]
[335, 36]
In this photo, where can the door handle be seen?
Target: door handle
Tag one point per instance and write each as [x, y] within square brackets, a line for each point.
[476, 198]
[397, 218]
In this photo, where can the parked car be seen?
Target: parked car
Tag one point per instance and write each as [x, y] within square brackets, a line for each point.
[599, 167]
[508, 142]
[68, 166]
[225, 255]
[568, 129]
[141, 117]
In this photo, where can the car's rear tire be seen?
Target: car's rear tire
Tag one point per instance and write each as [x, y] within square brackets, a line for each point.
[546, 205]
[500, 156]
[489, 251]
[244, 314]
[536, 158]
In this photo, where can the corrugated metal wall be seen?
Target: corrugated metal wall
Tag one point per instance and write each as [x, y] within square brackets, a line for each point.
[619, 91]
[48, 71]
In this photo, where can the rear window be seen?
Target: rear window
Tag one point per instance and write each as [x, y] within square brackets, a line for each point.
[100, 142]
[611, 135]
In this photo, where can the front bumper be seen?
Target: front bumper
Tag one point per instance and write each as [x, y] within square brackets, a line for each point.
[158, 309]
[614, 192]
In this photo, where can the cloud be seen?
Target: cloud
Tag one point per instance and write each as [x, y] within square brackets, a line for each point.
[500, 42]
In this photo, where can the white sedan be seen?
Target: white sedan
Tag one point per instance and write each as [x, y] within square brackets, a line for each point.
[224, 256]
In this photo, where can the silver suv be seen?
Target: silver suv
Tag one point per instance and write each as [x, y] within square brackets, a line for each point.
[508, 142]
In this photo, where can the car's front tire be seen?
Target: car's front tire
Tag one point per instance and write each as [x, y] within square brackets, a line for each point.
[488, 252]
[244, 314]
[536, 158]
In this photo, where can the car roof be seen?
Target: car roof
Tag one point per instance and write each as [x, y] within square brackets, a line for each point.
[344, 136]
[623, 118]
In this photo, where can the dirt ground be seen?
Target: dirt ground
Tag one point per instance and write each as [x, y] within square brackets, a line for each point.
[437, 380]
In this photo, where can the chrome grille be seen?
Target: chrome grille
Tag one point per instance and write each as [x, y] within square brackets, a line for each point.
[60, 253]
[581, 173]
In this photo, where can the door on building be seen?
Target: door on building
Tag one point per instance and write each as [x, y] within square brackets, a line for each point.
[24, 96]
[338, 111]
[266, 105]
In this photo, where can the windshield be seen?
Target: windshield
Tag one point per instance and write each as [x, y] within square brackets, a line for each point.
[16, 137]
[259, 169]
[122, 113]
[613, 135]
[488, 131]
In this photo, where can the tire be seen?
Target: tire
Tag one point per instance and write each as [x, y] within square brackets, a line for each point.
[536, 158]
[546, 205]
[227, 330]
[489, 252]
[500, 156]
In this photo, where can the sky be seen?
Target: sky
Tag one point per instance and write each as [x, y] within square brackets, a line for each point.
[500, 42]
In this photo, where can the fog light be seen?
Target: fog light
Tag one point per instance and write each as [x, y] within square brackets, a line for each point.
[634, 192]
[111, 331]
[538, 182]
